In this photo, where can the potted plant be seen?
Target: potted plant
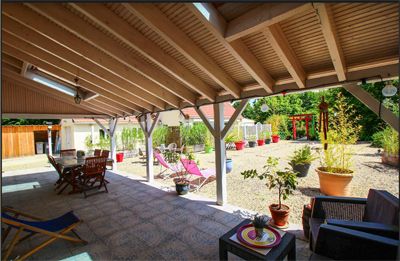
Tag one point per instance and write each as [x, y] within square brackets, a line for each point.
[267, 137]
[208, 143]
[261, 139]
[275, 120]
[390, 144]
[285, 181]
[335, 172]
[80, 154]
[182, 184]
[259, 223]
[239, 143]
[252, 141]
[301, 160]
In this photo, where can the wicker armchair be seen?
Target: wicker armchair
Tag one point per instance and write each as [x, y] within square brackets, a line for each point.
[377, 215]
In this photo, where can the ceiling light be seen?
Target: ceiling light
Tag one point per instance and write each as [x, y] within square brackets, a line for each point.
[389, 90]
[77, 97]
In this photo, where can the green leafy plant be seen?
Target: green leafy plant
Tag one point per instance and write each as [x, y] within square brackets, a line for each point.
[343, 132]
[285, 181]
[104, 143]
[171, 156]
[208, 143]
[390, 141]
[251, 138]
[230, 137]
[88, 142]
[302, 156]
[160, 135]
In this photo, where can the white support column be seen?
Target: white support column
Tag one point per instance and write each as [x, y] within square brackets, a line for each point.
[92, 133]
[49, 140]
[220, 155]
[113, 143]
[148, 127]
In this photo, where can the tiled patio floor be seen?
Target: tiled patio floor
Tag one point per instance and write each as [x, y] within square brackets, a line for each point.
[134, 221]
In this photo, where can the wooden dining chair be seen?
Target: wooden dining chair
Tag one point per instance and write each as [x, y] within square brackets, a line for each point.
[93, 172]
[65, 176]
[105, 153]
[70, 152]
[97, 153]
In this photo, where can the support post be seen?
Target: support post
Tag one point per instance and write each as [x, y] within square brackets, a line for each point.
[307, 131]
[148, 127]
[362, 95]
[113, 143]
[294, 128]
[220, 154]
[49, 140]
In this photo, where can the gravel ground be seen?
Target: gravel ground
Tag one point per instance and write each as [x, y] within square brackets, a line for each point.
[252, 194]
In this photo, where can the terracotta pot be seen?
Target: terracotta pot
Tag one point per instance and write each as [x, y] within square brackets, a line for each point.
[334, 184]
[392, 160]
[280, 216]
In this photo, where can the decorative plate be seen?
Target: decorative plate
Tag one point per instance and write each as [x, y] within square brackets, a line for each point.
[247, 235]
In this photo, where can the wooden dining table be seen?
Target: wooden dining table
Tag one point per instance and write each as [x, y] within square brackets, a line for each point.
[72, 161]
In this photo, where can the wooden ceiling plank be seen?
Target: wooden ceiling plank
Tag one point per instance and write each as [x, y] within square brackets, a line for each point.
[259, 18]
[157, 21]
[216, 25]
[68, 47]
[7, 64]
[147, 89]
[133, 38]
[331, 39]
[10, 47]
[12, 76]
[12, 61]
[69, 78]
[54, 53]
[281, 46]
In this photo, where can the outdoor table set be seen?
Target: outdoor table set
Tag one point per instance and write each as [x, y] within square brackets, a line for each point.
[241, 241]
[81, 173]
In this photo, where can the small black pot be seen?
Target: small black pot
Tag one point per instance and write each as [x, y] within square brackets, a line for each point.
[181, 189]
[267, 141]
[252, 144]
[301, 169]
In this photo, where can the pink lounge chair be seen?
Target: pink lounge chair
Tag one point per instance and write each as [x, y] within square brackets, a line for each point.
[174, 168]
[192, 168]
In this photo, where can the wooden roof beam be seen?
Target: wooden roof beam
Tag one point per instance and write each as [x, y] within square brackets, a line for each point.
[132, 37]
[157, 21]
[68, 47]
[147, 89]
[12, 76]
[69, 78]
[282, 48]
[52, 52]
[216, 24]
[331, 39]
[261, 17]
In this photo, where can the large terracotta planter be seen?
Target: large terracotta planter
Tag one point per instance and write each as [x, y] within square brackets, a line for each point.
[280, 216]
[392, 160]
[334, 184]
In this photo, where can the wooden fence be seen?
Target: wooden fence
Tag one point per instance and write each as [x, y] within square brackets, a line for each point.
[19, 140]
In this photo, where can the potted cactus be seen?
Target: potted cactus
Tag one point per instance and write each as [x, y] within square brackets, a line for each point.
[285, 181]
[259, 223]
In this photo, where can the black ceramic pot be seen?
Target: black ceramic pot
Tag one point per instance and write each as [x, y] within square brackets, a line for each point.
[181, 189]
[301, 169]
[252, 144]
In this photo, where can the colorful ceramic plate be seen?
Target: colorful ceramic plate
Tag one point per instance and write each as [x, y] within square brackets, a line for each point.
[247, 235]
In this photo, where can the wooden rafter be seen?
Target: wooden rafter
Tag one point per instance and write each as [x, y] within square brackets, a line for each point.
[15, 77]
[147, 89]
[120, 28]
[282, 48]
[70, 48]
[216, 24]
[155, 19]
[69, 78]
[261, 17]
[332, 40]
[52, 53]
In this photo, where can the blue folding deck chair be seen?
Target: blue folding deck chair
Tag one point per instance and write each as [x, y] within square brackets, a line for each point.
[54, 228]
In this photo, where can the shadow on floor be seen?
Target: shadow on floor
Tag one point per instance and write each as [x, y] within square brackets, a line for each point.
[133, 221]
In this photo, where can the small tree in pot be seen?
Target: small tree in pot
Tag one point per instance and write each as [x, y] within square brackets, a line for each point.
[301, 160]
[335, 173]
[285, 181]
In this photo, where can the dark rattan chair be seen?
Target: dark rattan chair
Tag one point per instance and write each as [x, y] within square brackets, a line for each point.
[97, 153]
[71, 152]
[377, 215]
[93, 172]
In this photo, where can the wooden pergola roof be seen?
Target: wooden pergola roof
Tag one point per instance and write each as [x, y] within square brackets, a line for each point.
[154, 57]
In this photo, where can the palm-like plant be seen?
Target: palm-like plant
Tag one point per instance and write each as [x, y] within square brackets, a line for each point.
[302, 156]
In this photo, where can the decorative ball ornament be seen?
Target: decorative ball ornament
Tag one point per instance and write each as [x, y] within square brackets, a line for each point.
[264, 108]
[389, 90]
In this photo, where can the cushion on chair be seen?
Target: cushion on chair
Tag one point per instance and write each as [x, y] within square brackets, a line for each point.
[382, 207]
